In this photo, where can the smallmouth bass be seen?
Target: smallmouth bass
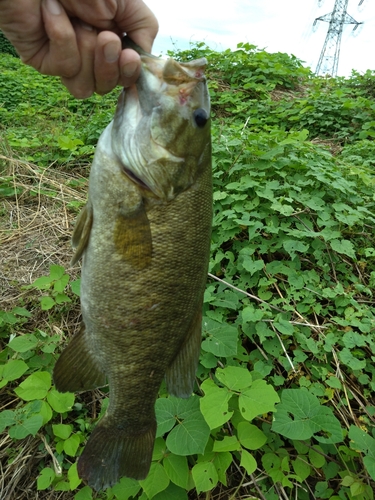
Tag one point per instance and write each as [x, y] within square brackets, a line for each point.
[144, 238]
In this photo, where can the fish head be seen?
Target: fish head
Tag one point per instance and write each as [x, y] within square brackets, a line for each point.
[161, 129]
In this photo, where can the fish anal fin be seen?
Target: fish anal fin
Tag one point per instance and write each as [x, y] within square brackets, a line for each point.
[180, 376]
[81, 232]
[77, 369]
[115, 450]
[133, 239]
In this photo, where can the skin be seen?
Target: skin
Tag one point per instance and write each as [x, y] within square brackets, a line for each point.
[79, 40]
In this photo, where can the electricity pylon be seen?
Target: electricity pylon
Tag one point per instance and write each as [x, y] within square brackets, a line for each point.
[330, 54]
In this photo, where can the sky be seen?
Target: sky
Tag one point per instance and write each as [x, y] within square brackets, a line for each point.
[273, 25]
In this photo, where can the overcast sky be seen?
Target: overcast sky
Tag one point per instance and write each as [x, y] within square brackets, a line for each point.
[275, 25]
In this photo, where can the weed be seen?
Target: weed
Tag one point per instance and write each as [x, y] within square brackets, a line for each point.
[284, 404]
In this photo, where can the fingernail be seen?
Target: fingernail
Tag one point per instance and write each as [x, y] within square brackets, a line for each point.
[111, 52]
[129, 69]
[53, 7]
[86, 26]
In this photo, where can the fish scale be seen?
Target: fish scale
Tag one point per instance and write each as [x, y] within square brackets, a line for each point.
[144, 239]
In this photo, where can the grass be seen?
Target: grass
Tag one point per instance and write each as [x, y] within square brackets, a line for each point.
[275, 185]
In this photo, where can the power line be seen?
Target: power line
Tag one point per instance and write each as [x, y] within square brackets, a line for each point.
[330, 54]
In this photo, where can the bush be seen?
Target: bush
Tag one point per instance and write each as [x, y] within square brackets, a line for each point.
[6, 47]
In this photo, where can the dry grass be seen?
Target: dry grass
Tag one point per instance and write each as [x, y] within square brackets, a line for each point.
[35, 229]
[35, 225]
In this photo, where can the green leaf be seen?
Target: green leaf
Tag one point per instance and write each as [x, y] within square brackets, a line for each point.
[156, 481]
[251, 314]
[358, 487]
[248, 462]
[62, 486]
[331, 430]
[126, 488]
[62, 431]
[42, 283]
[348, 359]
[258, 399]
[191, 433]
[14, 369]
[165, 409]
[221, 338]
[228, 443]
[343, 246]
[214, 404]
[35, 386]
[234, 377]
[71, 445]
[173, 492]
[284, 326]
[85, 494]
[301, 468]
[21, 311]
[61, 298]
[208, 360]
[221, 462]
[46, 303]
[293, 246]
[76, 286]
[205, 476]
[56, 272]
[60, 402]
[176, 468]
[159, 449]
[74, 480]
[303, 406]
[361, 440]
[29, 426]
[250, 436]
[300, 415]
[365, 443]
[7, 418]
[252, 265]
[23, 343]
[61, 283]
[46, 476]
[317, 459]
[189, 437]
[348, 480]
[45, 411]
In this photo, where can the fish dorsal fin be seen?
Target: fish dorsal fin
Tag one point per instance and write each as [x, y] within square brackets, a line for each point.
[133, 239]
[81, 232]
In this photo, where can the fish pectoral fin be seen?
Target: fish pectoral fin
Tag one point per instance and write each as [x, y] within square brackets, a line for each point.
[77, 369]
[81, 232]
[180, 376]
[133, 239]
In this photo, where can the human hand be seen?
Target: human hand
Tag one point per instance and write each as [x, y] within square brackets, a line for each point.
[80, 40]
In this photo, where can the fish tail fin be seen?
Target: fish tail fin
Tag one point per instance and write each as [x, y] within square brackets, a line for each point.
[77, 369]
[116, 450]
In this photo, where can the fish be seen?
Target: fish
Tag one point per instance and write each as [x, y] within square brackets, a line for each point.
[144, 239]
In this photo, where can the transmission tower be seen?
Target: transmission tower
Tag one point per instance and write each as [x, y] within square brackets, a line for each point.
[330, 54]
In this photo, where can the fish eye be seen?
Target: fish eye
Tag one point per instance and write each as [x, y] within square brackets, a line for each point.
[200, 117]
